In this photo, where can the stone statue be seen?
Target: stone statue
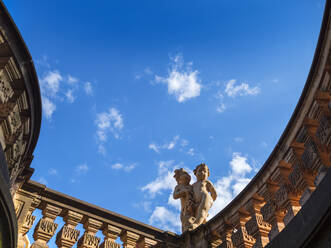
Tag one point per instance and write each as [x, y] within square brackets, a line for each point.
[184, 191]
[196, 199]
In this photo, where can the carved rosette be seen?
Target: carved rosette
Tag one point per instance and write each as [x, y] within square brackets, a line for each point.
[68, 235]
[46, 227]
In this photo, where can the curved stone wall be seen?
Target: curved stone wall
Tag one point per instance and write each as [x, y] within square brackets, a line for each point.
[20, 102]
[292, 172]
[20, 119]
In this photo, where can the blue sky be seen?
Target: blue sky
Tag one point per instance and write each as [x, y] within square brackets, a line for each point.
[134, 89]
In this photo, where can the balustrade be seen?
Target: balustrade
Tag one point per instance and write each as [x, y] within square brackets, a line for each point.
[33, 196]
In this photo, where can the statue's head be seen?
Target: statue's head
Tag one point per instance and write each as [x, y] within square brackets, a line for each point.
[182, 177]
[202, 171]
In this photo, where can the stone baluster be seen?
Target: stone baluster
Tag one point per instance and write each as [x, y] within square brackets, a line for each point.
[25, 204]
[68, 235]
[256, 226]
[129, 239]
[46, 227]
[286, 197]
[146, 243]
[225, 231]
[240, 237]
[89, 240]
[302, 178]
[322, 137]
[111, 233]
[270, 211]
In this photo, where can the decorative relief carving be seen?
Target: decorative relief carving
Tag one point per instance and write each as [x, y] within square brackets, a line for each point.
[241, 238]
[129, 239]
[89, 240]
[111, 233]
[110, 244]
[324, 130]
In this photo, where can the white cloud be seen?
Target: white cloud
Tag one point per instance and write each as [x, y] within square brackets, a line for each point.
[42, 180]
[81, 169]
[88, 88]
[119, 166]
[72, 80]
[165, 219]
[166, 146]
[69, 95]
[229, 186]
[221, 108]
[242, 89]
[129, 167]
[154, 147]
[275, 80]
[183, 83]
[106, 122]
[164, 180]
[53, 172]
[191, 152]
[50, 84]
[239, 164]
[48, 107]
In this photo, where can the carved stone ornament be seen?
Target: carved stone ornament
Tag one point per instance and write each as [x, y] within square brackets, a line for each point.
[196, 199]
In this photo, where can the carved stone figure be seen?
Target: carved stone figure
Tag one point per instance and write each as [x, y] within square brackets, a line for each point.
[204, 194]
[196, 199]
[184, 191]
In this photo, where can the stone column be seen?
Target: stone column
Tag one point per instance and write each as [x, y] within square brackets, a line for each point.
[240, 237]
[25, 203]
[256, 226]
[68, 235]
[129, 239]
[46, 227]
[146, 243]
[111, 233]
[89, 240]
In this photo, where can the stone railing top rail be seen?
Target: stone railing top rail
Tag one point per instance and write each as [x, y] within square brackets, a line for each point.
[66, 202]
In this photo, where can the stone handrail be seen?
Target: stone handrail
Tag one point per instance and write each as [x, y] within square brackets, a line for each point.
[73, 211]
[292, 172]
